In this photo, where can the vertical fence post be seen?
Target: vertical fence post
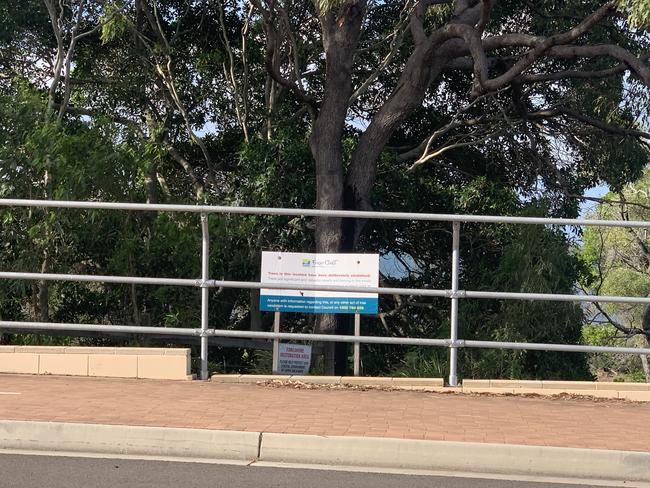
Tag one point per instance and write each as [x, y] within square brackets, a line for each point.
[455, 261]
[276, 344]
[205, 276]
[357, 345]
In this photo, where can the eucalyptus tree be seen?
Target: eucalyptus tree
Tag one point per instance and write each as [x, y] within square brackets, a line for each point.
[323, 103]
[549, 93]
[519, 71]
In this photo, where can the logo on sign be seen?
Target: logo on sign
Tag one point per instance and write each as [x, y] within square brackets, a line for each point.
[319, 263]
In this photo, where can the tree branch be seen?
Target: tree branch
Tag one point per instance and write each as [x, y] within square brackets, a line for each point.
[540, 48]
[599, 124]
[397, 37]
[585, 75]
[119, 119]
[269, 19]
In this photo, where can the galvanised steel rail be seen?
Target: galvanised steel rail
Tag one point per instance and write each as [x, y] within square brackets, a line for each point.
[205, 283]
[312, 212]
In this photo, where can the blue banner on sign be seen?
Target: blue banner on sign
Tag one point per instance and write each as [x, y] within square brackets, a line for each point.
[362, 305]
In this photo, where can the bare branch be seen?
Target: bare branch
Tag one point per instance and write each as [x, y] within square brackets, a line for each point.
[538, 50]
[132, 124]
[428, 155]
[640, 242]
[599, 124]
[56, 21]
[486, 11]
[68, 60]
[586, 75]
[539, 46]
[606, 201]
[241, 109]
[269, 19]
[416, 19]
[397, 37]
[628, 331]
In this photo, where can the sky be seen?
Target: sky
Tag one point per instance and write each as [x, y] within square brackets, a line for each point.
[597, 192]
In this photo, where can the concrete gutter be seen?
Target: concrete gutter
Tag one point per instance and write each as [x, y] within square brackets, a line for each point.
[354, 452]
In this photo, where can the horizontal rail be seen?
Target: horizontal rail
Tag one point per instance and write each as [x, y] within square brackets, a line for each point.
[311, 212]
[405, 341]
[553, 347]
[99, 279]
[410, 341]
[350, 289]
[128, 329]
[247, 334]
[551, 297]
[491, 295]
[159, 338]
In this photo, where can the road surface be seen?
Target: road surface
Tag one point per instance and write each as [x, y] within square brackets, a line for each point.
[22, 471]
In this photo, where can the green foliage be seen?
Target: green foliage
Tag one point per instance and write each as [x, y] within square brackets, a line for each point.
[493, 257]
[263, 362]
[618, 367]
[422, 363]
[638, 12]
[616, 263]
[615, 257]
[114, 23]
[121, 152]
[325, 7]
[534, 260]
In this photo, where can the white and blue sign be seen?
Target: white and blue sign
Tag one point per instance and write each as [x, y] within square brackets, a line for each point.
[295, 269]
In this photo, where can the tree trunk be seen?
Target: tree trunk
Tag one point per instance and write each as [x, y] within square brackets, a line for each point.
[646, 368]
[646, 328]
[340, 37]
[255, 313]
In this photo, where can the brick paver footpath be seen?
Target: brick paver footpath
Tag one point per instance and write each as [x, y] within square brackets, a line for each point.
[401, 414]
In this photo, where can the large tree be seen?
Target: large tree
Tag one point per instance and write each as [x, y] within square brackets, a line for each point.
[543, 82]
[525, 67]
[537, 98]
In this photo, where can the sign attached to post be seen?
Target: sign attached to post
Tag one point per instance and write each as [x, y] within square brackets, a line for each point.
[294, 359]
[295, 269]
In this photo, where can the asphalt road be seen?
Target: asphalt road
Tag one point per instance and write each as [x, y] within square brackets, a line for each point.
[20, 471]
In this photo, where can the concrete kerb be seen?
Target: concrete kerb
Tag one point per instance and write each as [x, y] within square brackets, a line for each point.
[463, 457]
[129, 440]
[341, 452]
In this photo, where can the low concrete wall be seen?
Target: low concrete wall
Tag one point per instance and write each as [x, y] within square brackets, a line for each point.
[432, 384]
[112, 362]
[639, 392]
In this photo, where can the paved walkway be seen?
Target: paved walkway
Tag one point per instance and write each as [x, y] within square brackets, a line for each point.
[401, 414]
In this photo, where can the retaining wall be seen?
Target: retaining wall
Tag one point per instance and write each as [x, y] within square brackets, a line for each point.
[112, 362]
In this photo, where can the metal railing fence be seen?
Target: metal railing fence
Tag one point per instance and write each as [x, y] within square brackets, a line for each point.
[205, 283]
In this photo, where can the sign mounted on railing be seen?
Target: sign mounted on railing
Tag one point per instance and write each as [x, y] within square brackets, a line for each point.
[295, 269]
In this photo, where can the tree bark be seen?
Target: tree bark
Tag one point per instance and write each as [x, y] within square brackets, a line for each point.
[425, 65]
[422, 68]
[255, 313]
[340, 37]
[646, 367]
